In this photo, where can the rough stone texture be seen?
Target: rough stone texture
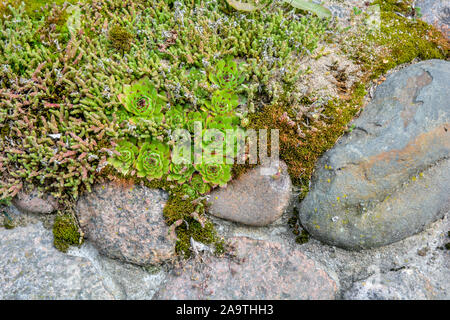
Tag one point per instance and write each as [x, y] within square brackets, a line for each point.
[259, 270]
[254, 199]
[436, 13]
[32, 202]
[30, 268]
[406, 284]
[127, 223]
[124, 281]
[390, 176]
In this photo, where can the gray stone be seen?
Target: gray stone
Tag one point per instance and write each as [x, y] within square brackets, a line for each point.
[126, 223]
[31, 268]
[253, 199]
[124, 281]
[33, 202]
[389, 177]
[436, 13]
[405, 284]
[256, 270]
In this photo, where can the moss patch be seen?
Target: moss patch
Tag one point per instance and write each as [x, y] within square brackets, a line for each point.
[401, 39]
[120, 38]
[65, 232]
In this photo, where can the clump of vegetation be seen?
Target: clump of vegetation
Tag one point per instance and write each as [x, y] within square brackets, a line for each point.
[66, 233]
[400, 39]
[8, 222]
[120, 38]
[103, 98]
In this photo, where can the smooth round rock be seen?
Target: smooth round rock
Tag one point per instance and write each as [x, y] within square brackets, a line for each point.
[33, 202]
[255, 198]
[389, 177]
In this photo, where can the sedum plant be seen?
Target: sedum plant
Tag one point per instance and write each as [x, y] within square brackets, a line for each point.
[153, 160]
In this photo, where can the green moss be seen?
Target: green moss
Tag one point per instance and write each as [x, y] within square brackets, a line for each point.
[179, 208]
[399, 40]
[120, 38]
[301, 152]
[447, 246]
[302, 238]
[65, 232]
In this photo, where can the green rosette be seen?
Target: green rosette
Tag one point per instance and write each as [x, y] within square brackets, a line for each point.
[214, 173]
[142, 99]
[124, 162]
[222, 102]
[153, 160]
[226, 74]
[196, 187]
[176, 116]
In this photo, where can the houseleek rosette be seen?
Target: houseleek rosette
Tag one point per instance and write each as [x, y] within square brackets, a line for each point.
[142, 99]
[223, 102]
[214, 173]
[182, 169]
[175, 116]
[196, 187]
[226, 74]
[153, 160]
[127, 157]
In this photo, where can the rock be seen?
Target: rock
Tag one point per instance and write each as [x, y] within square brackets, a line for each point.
[30, 268]
[436, 13]
[253, 199]
[259, 270]
[32, 202]
[124, 281]
[405, 284]
[389, 177]
[126, 223]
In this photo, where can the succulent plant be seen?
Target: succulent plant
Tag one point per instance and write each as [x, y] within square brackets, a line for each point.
[226, 74]
[127, 157]
[153, 160]
[196, 187]
[181, 168]
[142, 99]
[175, 116]
[213, 172]
[225, 124]
[222, 123]
[222, 102]
[195, 116]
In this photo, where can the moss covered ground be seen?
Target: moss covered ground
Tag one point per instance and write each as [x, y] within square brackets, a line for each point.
[71, 113]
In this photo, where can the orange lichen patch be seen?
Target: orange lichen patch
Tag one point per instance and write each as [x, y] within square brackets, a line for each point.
[409, 94]
[418, 148]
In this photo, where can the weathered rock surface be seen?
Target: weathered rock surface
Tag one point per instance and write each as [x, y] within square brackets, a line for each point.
[259, 270]
[127, 223]
[31, 268]
[405, 284]
[254, 199]
[390, 177]
[436, 13]
[124, 281]
[32, 202]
